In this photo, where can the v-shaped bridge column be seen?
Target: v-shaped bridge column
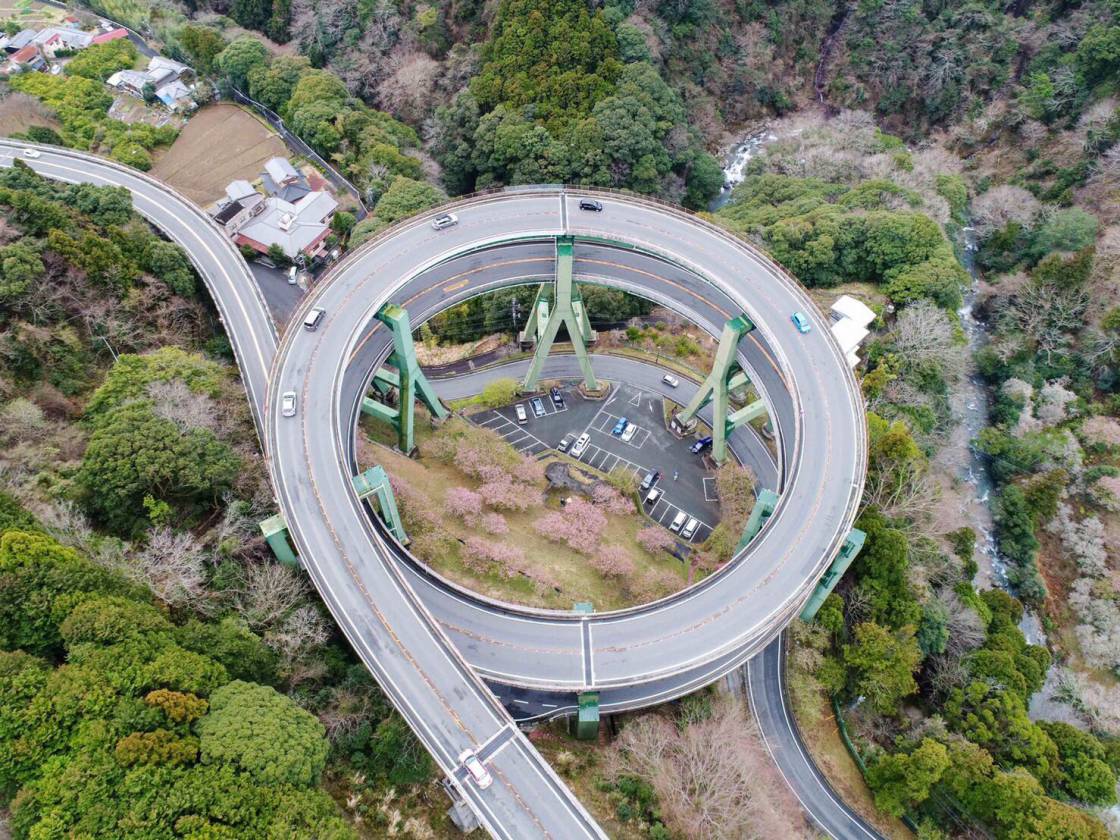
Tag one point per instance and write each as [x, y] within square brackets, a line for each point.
[558, 305]
[725, 377]
[406, 377]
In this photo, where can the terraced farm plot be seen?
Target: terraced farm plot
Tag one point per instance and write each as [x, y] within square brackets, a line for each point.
[29, 13]
[219, 144]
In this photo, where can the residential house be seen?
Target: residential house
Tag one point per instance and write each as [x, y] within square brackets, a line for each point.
[20, 40]
[56, 39]
[169, 81]
[284, 181]
[297, 228]
[111, 35]
[129, 81]
[29, 58]
[241, 203]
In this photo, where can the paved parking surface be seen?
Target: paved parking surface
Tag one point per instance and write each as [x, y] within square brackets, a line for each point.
[687, 486]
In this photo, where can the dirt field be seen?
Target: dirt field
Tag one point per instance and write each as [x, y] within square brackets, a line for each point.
[18, 112]
[219, 144]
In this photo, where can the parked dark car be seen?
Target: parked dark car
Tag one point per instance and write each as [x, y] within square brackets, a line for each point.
[701, 445]
[651, 479]
[557, 397]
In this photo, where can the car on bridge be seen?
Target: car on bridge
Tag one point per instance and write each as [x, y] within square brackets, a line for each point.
[288, 404]
[445, 220]
[801, 322]
[477, 770]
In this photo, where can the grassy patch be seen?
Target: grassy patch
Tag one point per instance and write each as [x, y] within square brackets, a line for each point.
[440, 541]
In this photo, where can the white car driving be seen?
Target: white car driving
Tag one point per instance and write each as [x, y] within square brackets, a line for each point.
[288, 404]
[479, 773]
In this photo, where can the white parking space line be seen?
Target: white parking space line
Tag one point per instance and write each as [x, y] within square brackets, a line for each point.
[710, 494]
[516, 435]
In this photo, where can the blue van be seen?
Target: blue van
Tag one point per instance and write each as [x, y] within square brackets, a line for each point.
[701, 445]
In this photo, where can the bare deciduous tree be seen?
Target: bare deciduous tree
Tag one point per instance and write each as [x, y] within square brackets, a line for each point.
[301, 631]
[1049, 315]
[993, 209]
[176, 402]
[268, 593]
[923, 334]
[712, 776]
[907, 492]
[172, 565]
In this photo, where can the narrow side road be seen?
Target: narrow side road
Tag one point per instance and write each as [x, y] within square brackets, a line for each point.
[770, 702]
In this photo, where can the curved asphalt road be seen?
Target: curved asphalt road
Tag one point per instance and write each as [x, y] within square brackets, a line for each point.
[397, 637]
[735, 611]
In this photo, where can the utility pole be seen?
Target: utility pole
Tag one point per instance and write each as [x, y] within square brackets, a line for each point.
[110, 346]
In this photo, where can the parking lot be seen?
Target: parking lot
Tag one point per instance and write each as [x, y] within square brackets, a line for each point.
[687, 486]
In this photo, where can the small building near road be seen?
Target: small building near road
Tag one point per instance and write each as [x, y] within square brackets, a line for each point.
[29, 58]
[111, 35]
[170, 81]
[56, 39]
[851, 322]
[284, 181]
[20, 40]
[292, 217]
[296, 228]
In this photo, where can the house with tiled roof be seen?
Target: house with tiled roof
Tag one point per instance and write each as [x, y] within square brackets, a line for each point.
[299, 227]
[29, 58]
[56, 39]
[111, 35]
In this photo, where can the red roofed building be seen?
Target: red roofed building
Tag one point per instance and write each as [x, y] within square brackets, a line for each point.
[111, 35]
[29, 56]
